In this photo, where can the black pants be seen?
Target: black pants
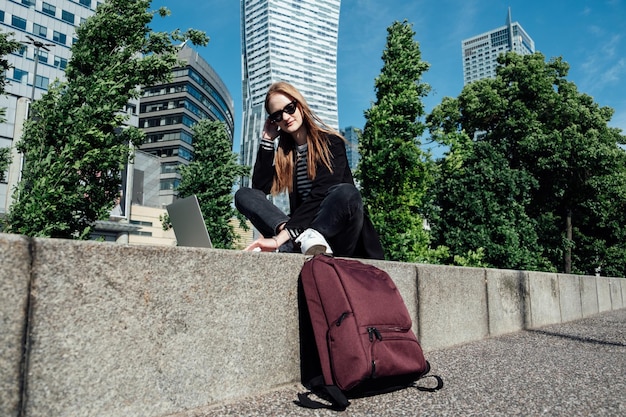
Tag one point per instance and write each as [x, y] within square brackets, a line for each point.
[339, 218]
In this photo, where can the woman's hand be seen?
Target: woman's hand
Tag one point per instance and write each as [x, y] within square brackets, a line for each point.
[270, 244]
[264, 244]
[270, 130]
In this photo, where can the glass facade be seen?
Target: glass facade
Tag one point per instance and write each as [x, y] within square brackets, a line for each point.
[168, 112]
[287, 41]
[352, 135]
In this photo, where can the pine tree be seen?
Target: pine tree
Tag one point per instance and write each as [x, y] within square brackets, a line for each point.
[394, 172]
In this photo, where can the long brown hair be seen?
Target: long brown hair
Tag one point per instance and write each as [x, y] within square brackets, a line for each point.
[317, 133]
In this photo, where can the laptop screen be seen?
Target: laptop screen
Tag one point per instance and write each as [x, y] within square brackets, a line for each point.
[188, 223]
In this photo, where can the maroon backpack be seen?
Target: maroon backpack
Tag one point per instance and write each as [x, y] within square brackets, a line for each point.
[355, 331]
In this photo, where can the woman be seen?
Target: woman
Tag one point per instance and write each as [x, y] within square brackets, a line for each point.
[309, 163]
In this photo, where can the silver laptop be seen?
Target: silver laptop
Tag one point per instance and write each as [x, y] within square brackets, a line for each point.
[188, 223]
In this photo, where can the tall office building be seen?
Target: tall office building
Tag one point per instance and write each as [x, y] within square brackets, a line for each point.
[480, 52]
[352, 135]
[47, 30]
[168, 112]
[287, 41]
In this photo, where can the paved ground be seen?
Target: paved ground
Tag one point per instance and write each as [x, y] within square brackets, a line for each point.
[573, 369]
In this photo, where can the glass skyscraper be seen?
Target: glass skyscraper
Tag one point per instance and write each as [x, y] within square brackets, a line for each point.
[168, 112]
[352, 135]
[480, 52]
[292, 41]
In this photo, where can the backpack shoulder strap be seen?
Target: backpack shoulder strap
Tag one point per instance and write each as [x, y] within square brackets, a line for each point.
[330, 393]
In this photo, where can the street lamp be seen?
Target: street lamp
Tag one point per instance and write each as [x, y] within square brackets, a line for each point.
[38, 45]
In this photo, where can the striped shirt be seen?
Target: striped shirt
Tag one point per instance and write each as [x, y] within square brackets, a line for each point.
[303, 181]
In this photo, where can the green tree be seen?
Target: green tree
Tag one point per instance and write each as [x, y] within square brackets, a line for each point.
[75, 145]
[481, 206]
[7, 46]
[546, 161]
[581, 173]
[394, 172]
[211, 177]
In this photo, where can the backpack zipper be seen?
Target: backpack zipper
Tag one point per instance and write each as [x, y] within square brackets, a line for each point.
[341, 318]
[373, 332]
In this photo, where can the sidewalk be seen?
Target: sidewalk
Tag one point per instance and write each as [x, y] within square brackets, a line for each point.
[572, 369]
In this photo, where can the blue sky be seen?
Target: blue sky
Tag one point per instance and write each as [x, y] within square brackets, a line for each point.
[589, 35]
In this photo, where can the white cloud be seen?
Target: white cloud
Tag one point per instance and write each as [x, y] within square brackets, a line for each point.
[610, 47]
[614, 73]
[596, 30]
[606, 65]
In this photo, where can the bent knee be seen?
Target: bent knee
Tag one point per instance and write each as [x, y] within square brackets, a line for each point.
[242, 195]
[345, 190]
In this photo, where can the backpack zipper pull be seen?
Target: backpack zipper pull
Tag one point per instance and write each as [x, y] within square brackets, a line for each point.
[373, 332]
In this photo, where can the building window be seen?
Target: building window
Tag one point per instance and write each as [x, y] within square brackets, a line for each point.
[188, 121]
[18, 22]
[185, 154]
[43, 56]
[186, 137]
[170, 184]
[19, 75]
[28, 2]
[59, 37]
[67, 16]
[42, 82]
[40, 30]
[85, 3]
[48, 9]
[131, 109]
[140, 233]
[141, 223]
[1, 15]
[171, 168]
[60, 62]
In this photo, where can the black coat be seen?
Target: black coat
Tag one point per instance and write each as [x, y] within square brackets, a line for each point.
[303, 212]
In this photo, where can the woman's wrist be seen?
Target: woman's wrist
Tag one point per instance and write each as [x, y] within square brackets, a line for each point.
[281, 237]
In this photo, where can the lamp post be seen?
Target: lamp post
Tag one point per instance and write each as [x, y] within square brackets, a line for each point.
[38, 45]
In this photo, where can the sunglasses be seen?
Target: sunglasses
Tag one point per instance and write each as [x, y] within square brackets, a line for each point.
[277, 116]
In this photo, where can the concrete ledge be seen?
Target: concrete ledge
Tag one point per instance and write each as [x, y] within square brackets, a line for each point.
[121, 330]
[507, 293]
[617, 288]
[604, 294]
[589, 296]
[14, 282]
[452, 305]
[545, 304]
[148, 331]
[570, 297]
